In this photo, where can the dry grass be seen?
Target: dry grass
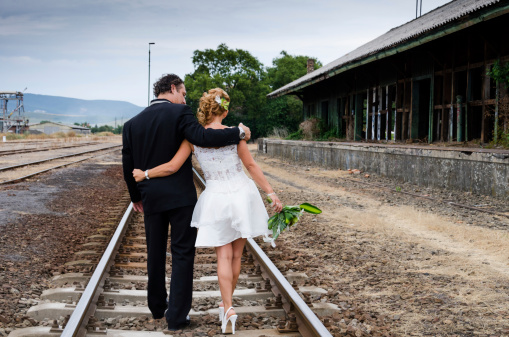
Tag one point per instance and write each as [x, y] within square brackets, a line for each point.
[279, 133]
[104, 134]
[56, 135]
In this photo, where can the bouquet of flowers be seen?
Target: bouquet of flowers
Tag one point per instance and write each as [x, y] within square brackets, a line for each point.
[288, 217]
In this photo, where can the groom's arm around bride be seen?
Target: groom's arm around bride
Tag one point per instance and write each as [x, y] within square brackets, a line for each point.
[154, 136]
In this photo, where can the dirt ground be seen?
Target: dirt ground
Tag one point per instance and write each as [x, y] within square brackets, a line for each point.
[43, 221]
[396, 264]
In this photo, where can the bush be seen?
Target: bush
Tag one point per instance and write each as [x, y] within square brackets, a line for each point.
[13, 136]
[297, 135]
[310, 128]
[71, 133]
[329, 134]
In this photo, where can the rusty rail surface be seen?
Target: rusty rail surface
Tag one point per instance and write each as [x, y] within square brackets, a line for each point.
[309, 325]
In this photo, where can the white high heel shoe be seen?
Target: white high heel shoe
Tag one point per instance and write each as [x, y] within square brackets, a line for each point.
[226, 327]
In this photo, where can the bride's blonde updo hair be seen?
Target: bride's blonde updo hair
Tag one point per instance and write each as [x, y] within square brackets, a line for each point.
[209, 107]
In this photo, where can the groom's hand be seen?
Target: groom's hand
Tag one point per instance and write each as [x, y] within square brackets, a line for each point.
[247, 131]
[138, 206]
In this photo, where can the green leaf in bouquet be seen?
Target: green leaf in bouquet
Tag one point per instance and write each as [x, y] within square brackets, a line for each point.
[272, 221]
[269, 200]
[310, 208]
[276, 230]
[288, 218]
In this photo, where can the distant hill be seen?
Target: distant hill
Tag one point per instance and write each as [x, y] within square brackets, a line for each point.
[70, 110]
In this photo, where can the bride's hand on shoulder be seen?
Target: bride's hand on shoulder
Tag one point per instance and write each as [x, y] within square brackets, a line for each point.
[138, 175]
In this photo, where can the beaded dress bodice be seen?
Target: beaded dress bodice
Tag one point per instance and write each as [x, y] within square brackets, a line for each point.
[222, 164]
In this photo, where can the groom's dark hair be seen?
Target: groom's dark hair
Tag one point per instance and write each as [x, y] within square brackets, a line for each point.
[164, 83]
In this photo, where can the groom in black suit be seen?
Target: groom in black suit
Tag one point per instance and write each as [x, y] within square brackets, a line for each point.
[152, 138]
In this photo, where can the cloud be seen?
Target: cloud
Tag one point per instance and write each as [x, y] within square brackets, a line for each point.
[98, 49]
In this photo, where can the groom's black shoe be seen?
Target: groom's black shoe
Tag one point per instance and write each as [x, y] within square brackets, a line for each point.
[181, 326]
[159, 316]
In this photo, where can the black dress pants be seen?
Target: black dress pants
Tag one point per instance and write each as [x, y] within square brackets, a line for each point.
[183, 238]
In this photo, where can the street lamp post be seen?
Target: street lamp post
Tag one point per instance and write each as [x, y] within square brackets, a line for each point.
[150, 43]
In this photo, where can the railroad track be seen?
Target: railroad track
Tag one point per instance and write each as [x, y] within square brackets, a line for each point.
[107, 295]
[427, 197]
[9, 175]
[40, 149]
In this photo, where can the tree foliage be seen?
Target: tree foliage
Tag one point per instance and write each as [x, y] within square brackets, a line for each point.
[248, 82]
[288, 68]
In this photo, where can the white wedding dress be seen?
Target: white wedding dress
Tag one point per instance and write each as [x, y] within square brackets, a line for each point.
[230, 207]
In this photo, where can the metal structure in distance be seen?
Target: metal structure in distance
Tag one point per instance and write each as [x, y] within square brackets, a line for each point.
[12, 120]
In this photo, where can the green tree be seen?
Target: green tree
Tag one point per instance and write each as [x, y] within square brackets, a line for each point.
[248, 82]
[285, 110]
[236, 71]
[288, 68]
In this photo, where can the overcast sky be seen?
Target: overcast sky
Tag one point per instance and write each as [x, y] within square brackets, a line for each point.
[98, 49]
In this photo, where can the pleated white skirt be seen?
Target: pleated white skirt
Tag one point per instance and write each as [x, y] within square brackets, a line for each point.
[229, 210]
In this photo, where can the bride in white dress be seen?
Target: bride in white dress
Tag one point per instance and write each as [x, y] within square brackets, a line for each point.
[230, 209]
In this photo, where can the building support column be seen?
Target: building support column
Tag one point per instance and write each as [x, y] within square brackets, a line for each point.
[379, 123]
[414, 111]
[359, 105]
[468, 99]
[397, 129]
[431, 106]
[459, 118]
[451, 110]
[495, 129]
[368, 105]
[406, 112]
[388, 114]
[374, 114]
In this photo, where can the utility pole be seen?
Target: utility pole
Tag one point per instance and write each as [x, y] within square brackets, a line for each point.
[150, 43]
[417, 14]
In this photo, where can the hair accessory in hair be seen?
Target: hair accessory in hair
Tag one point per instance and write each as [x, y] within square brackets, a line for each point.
[222, 102]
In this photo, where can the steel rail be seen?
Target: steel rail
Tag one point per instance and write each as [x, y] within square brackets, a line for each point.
[308, 323]
[76, 326]
[55, 158]
[51, 168]
[10, 152]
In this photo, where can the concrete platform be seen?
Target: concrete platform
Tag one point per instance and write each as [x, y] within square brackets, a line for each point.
[476, 170]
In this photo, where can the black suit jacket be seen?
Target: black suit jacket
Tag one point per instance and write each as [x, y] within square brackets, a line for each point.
[152, 138]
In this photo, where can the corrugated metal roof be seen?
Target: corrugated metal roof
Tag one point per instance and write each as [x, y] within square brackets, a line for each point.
[428, 22]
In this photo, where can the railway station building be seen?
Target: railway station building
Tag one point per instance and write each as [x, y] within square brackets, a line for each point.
[426, 80]
[52, 127]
